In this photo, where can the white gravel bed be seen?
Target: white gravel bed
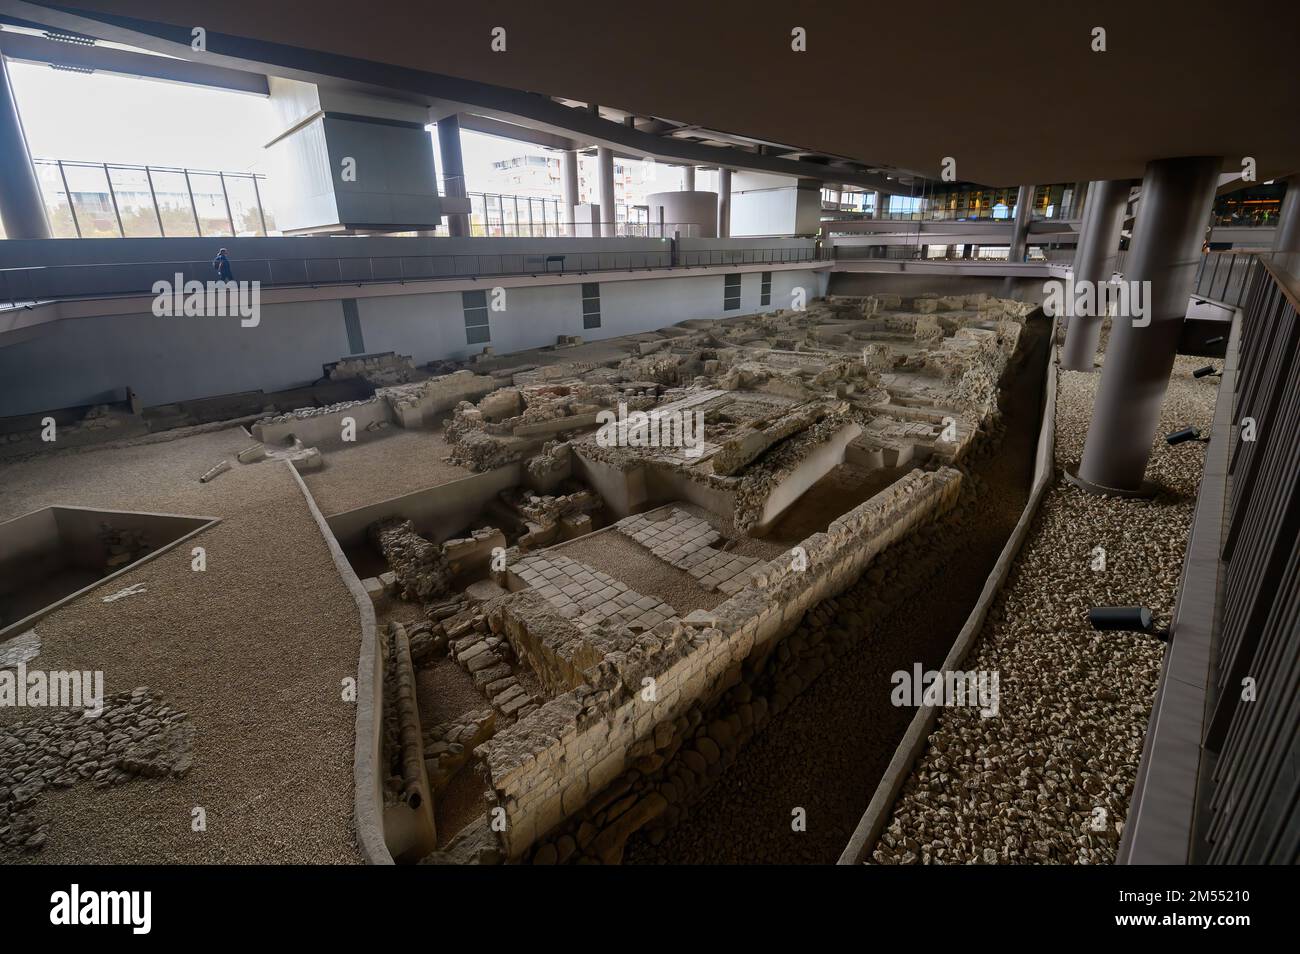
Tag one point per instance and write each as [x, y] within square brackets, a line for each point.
[1049, 777]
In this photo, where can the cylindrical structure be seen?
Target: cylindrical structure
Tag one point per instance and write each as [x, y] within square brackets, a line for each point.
[569, 182]
[1287, 237]
[1166, 248]
[21, 207]
[688, 178]
[698, 210]
[1103, 217]
[724, 203]
[881, 206]
[453, 171]
[1020, 227]
[608, 208]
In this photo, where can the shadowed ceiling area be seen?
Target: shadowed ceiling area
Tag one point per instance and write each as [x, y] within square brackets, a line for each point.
[1012, 91]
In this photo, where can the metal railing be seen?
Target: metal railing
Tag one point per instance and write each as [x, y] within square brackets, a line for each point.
[1225, 276]
[19, 286]
[120, 200]
[1251, 815]
[585, 230]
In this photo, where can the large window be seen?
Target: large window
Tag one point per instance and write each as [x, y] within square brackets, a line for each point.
[731, 293]
[765, 296]
[476, 317]
[591, 304]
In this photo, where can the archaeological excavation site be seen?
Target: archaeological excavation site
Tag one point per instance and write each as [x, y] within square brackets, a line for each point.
[484, 440]
[580, 581]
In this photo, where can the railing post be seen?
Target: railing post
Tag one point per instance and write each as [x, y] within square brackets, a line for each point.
[112, 195]
[193, 208]
[72, 206]
[257, 194]
[157, 212]
[226, 196]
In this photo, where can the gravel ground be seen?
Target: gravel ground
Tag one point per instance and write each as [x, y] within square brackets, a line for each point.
[377, 468]
[254, 650]
[826, 751]
[1049, 778]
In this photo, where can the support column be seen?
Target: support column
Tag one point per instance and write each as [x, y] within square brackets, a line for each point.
[453, 171]
[1166, 249]
[724, 203]
[22, 209]
[569, 182]
[605, 172]
[1287, 237]
[1020, 226]
[882, 205]
[1078, 198]
[1103, 217]
[688, 178]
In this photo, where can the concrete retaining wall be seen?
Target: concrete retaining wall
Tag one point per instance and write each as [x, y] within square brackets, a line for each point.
[367, 782]
[914, 740]
[83, 361]
[548, 765]
[439, 513]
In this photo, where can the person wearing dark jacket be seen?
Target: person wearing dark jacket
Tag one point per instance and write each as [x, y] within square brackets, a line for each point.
[222, 264]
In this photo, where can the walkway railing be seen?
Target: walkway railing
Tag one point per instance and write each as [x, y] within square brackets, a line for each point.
[120, 200]
[1217, 781]
[46, 283]
[1224, 276]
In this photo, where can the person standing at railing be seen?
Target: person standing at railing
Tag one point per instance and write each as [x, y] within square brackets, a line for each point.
[222, 265]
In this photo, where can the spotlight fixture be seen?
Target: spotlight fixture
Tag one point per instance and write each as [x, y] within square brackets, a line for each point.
[1185, 435]
[1126, 619]
[1208, 371]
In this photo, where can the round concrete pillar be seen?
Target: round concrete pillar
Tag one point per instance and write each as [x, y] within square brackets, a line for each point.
[453, 171]
[1287, 237]
[688, 178]
[1020, 227]
[1103, 217]
[1166, 248]
[608, 206]
[724, 203]
[569, 182]
[698, 210]
[22, 209]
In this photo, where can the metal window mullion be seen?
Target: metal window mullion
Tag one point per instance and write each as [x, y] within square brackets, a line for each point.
[194, 209]
[226, 195]
[157, 213]
[257, 194]
[72, 206]
[112, 195]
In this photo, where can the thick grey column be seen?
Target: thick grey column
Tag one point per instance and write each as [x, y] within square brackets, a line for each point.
[688, 178]
[608, 215]
[1176, 199]
[882, 205]
[1287, 237]
[21, 207]
[724, 203]
[453, 171]
[1020, 227]
[569, 182]
[1103, 217]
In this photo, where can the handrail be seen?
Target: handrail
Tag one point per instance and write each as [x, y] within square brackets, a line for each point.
[42, 283]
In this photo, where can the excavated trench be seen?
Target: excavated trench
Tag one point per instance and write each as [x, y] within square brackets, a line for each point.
[831, 740]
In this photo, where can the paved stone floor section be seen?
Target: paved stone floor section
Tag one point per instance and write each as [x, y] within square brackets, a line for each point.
[587, 596]
[686, 542]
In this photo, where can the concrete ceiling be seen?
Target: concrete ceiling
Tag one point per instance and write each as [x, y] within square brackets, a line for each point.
[1012, 91]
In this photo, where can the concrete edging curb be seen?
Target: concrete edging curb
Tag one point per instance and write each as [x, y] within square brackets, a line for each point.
[367, 810]
[914, 740]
